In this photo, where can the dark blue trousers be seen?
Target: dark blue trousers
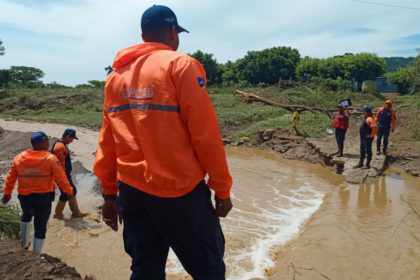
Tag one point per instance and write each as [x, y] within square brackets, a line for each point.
[383, 131]
[37, 206]
[340, 136]
[187, 224]
[365, 148]
[63, 195]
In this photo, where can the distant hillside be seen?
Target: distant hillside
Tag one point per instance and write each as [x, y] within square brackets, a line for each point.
[393, 63]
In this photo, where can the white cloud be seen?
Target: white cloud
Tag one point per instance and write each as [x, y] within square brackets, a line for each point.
[72, 41]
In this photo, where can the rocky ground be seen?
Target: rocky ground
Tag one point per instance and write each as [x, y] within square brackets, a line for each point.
[403, 151]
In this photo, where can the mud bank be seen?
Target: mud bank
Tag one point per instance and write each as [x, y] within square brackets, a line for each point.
[18, 264]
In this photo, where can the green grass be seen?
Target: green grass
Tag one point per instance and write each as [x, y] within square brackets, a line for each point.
[9, 222]
[72, 106]
[83, 107]
[412, 100]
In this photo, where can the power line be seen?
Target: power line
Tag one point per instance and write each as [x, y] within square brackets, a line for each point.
[386, 5]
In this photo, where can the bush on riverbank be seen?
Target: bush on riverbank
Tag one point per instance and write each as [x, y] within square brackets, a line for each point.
[9, 222]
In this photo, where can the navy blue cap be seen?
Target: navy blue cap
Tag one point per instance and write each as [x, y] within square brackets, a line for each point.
[70, 132]
[38, 137]
[367, 109]
[157, 17]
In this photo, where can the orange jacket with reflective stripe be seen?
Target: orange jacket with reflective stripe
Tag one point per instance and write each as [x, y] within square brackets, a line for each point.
[35, 172]
[160, 132]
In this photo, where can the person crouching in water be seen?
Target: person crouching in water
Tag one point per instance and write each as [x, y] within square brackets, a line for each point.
[341, 124]
[61, 150]
[35, 170]
[367, 131]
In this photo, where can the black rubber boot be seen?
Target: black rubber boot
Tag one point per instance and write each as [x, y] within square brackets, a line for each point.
[359, 165]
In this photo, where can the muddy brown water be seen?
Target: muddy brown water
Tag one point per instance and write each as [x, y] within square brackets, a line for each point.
[291, 220]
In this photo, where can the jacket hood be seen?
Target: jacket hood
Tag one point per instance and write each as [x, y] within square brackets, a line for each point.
[32, 157]
[127, 55]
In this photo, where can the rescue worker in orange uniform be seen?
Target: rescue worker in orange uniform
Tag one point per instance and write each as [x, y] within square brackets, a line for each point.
[367, 132]
[159, 138]
[35, 170]
[341, 124]
[61, 150]
[386, 120]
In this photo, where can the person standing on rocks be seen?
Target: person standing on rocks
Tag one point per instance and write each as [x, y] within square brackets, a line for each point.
[61, 150]
[35, 170]
[341, 124]
[367, 132]
[386, 120]
[159, 139]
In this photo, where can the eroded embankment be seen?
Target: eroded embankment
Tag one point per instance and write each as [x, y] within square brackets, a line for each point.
[18, 264]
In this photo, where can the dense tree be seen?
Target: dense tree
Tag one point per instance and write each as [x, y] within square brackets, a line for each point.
[2, 49]
[395, 63]
[211, 66]
[4, 76]
[407, 78]
[350, 67]
[27, 76]
[228, 71]
[308, 68]
[363, 66]
[268, 66]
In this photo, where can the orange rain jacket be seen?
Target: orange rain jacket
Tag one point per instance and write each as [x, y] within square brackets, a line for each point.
[60, 151]
[372, 124]
[160, 133]
[393, 116]
[36, 172]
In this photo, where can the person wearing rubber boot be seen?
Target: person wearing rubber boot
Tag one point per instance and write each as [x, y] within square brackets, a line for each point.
[341, 124]
[61, 150]
[386, 121]
[35, 170]
[159, 140]
[367, 133]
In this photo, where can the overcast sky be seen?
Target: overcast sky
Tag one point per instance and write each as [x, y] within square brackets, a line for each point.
[73, 40]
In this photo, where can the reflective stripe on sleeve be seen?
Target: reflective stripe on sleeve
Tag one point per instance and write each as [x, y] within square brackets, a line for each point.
[33, 176]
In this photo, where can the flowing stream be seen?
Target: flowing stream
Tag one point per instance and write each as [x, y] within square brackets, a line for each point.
[285, 213]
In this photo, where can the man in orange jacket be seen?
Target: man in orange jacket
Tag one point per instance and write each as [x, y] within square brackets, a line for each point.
[35, 171]
[61, 150]
[159, 138]
[386, 121]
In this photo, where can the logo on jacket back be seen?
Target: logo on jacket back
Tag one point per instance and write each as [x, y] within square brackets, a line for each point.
[140, 93]
[201, 82]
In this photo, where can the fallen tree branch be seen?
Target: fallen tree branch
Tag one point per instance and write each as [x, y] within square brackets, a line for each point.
[251, 97]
